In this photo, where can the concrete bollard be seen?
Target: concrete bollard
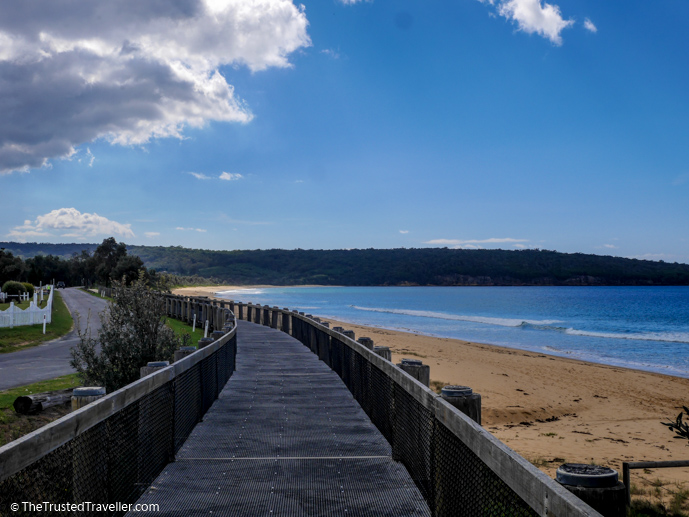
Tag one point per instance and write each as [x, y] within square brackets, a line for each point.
[83, 396]
[151, 367]
[383, 351]
[366, 341]
[464, 399]
[217, 334]
[414, 367]
[183, 352]
[204, 342]
[338, 329]
[597, 486]
[349, 334]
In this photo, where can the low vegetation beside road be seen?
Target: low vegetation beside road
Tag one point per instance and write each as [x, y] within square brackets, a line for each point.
[13, 425]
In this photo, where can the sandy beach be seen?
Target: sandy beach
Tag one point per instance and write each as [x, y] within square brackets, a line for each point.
[551, 409]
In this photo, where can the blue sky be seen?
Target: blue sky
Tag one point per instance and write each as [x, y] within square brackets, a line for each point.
[244, 124]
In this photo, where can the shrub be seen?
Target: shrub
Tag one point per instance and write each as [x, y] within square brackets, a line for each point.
[29, 288]
[133, 333]
[13, 288]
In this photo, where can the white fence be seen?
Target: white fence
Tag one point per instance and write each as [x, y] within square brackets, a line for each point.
[33, 315]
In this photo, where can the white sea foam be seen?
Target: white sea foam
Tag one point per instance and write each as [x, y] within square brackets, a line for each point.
[502, 322]
[241, 291]
[668, 337]
[548, 325]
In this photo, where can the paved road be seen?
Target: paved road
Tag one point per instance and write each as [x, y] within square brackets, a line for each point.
[51, 359]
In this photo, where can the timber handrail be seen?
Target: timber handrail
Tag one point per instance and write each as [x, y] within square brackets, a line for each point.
[543, 494]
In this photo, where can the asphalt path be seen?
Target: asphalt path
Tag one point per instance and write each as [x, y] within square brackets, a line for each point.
[51, 359]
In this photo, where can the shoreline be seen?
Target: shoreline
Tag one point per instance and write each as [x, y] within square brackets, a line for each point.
[550, 409]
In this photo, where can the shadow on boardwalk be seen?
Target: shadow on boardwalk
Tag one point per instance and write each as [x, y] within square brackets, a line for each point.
[285, 437]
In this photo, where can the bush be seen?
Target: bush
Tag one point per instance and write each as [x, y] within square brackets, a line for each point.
[133, 333]
[29, 288]
[13, 288]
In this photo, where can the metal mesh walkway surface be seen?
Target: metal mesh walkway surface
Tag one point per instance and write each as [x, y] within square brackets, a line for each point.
[284, 438]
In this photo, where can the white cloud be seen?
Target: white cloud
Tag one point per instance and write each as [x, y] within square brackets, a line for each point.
[331, 53]
[200, 176]
[588, 24]
[352, 2]
[150, 235]
[404, 231]
[230, 176]
[191, 229]
[475, 241]
[129, 71]
[69, 222]
[610, 246]
[533, 17]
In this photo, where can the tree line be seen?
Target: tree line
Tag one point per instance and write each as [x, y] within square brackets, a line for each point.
[108, 262]
[421, 266]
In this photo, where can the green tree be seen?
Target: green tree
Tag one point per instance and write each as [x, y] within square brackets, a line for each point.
[133, 333]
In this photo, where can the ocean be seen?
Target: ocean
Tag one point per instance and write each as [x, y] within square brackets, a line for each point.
[646, 328]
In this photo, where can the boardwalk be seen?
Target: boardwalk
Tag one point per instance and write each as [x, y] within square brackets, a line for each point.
[285, 438]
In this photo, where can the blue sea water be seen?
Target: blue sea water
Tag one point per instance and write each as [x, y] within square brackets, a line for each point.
[645, 328]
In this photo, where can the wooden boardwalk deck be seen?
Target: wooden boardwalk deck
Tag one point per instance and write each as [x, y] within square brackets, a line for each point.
[285, 438]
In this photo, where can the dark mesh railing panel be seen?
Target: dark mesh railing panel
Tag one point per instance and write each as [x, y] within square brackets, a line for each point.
[336, 355]
[465, 486]
[187, 403]
[156, 428]
[48, 479]
[413, 439]
[208, 382]
[323, 341]
[123, 452]
[382, 403]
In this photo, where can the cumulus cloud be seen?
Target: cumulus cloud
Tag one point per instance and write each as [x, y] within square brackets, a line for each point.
[72, 71]
[588, 24]
[69, 222]
[230, 176]
[532, 16]
[200, 176]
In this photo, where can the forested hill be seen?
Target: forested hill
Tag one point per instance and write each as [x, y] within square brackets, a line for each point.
[425, 266]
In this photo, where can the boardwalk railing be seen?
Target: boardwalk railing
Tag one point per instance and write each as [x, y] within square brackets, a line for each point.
[459, 467]
[110, 451]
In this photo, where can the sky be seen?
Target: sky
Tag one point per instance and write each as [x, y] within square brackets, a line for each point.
[247, 124]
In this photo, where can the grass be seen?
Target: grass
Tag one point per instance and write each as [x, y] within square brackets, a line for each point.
[438, 386]
[24, 305]
[19, 338]
[13, 425]
[180, 328]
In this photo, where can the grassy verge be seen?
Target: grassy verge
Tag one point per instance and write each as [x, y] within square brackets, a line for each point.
[19, 338]
[93, 293]
[13, 426]
[182, 328]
